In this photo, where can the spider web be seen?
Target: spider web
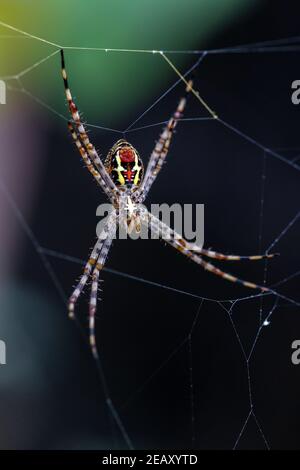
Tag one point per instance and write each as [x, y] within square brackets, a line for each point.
[268, 304]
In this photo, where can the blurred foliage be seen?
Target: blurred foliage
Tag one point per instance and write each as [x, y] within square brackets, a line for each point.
[118, 81]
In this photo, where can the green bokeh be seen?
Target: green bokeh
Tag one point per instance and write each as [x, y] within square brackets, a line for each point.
[107, 85]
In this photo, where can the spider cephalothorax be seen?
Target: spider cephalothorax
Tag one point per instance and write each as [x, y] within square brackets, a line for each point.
[124, 164]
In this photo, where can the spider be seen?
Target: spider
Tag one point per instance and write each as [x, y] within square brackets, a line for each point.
[126, 184]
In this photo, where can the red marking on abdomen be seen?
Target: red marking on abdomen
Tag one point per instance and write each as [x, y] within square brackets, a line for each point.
[126, 155]
[129, 174]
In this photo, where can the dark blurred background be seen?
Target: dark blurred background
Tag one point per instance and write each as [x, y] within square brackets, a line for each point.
[51, 394]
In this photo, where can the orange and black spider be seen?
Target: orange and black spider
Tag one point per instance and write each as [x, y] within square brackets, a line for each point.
[124, 181]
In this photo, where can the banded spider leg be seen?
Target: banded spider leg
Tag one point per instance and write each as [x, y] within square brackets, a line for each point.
[161, 149]
[196, 254]
[80, 137]
[92, 269]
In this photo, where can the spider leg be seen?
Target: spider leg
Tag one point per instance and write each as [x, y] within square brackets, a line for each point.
[181, 245]
[82, 132]
[95, 173]
[161, 148]
[99, 245]
[221, 256]
[94, 290]
[84, 278]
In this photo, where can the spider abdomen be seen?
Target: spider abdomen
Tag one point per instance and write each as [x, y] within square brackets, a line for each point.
[124, 165]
